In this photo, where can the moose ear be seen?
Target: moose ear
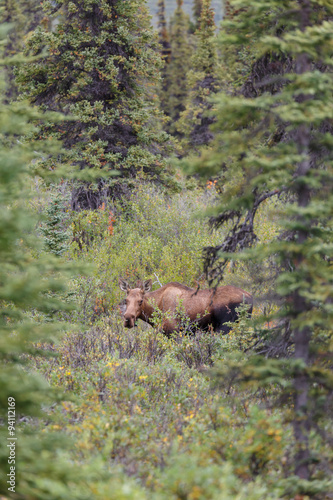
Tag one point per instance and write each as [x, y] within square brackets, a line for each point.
[123, 285]
[147, 285]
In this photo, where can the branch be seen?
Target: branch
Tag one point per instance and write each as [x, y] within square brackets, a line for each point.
[157, 280]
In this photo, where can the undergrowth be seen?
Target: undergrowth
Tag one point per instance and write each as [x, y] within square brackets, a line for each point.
[147, 405]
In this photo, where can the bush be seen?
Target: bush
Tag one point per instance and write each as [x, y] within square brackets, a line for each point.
[136, 400]
[149, 235]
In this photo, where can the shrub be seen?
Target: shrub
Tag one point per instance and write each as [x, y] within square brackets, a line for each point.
[150, 235]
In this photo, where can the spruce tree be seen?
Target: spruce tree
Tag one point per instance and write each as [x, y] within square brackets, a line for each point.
[197, 7]
[163, 33]
[102, 68]
[23, 16]
[165, 51]
[56, 237]
[203, 80]
[34, 456]
[276, 141]
[34, 469]
[179, 66]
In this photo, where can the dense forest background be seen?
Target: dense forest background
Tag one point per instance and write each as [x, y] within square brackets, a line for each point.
[196, 148]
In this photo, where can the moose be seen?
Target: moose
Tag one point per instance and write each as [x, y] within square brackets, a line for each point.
[207, 307]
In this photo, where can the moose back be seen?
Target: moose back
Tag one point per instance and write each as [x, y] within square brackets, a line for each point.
[207, 307]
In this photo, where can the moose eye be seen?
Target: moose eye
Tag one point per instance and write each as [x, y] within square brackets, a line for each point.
[140, 302]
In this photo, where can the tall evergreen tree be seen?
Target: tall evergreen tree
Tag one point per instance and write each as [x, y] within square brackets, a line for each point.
[102, 67]
[165, 50]
[25, 285]
[34, 458]
[277, 141]
[197, 7]
[203, 81]
[179, 66]
[23, 16]
[164, 40]
[56, 237]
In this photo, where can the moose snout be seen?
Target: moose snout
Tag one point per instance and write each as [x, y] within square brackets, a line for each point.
[129, 320]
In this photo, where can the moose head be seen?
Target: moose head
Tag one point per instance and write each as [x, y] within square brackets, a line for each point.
[135, 301]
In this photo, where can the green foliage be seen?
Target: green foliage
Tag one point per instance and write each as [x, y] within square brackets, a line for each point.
[25, 282]
[131, 387]
[55, 232]
[151, 235]
[91, 226]
[102, 68]
[142, 405]
[22, 16]
[179, 65]
[197, 7]
[199, 415]
[163, 34]
[203, 80]
[39, 461]
[241, 337]
[271, 141]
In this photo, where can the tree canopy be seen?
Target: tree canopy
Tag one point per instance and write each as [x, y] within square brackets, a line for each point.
[102, 68]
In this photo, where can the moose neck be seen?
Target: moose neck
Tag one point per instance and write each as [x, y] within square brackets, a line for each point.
[147, 308]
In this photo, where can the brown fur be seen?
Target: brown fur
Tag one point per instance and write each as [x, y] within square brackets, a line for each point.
[212, 306]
